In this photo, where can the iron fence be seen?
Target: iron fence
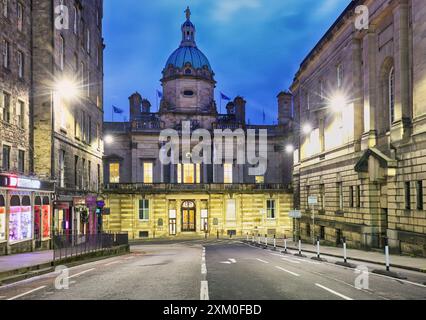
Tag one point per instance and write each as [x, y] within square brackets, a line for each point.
[73, 245]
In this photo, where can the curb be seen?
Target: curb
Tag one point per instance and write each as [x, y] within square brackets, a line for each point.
[361, 260]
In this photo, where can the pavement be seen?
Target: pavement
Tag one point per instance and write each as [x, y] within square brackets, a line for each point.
[25, 260]
[216, 270]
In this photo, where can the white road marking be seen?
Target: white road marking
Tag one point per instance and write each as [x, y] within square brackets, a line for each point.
[290, 260]
[262, 260]
[333, 292]
[81, 273]
[26, 293]
[111, 263]
[225, 262]
[203, 269]
[306, 260]
[129, 258]
[288, 271]
[233, 260]
[204, 294]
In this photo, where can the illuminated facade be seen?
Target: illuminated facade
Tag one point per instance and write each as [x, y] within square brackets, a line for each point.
[150, 199]
[68, 108]
[359, 101]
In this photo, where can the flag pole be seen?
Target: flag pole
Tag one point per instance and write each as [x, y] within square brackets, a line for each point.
[112, 114]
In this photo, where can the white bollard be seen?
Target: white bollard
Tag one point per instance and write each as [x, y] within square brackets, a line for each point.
[300, 247]
[285, 244]
[318, 249]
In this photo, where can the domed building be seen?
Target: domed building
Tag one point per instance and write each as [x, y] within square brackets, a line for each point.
[151, 199]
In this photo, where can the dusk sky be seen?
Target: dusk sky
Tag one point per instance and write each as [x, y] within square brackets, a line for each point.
[254, 46]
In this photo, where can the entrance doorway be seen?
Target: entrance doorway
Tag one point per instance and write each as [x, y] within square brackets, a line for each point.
[188, 217]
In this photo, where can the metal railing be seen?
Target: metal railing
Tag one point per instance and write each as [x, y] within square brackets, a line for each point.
[67, 246]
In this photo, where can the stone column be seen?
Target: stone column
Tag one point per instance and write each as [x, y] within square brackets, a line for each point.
[401, 127]
[370, 88]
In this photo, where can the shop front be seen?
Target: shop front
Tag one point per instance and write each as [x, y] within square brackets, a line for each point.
[25, 214]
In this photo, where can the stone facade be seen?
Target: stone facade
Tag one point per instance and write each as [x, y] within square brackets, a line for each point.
[150, 199]
[362, 93]
[68, 129]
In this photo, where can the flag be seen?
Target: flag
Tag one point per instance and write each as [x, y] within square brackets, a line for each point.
[224, 97]
[264, 116]
[117, 110]
[159, 94]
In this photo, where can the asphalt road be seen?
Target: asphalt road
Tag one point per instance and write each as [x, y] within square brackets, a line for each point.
[214, 270]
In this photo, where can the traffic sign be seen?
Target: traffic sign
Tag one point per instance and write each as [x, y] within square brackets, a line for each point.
[295, 214]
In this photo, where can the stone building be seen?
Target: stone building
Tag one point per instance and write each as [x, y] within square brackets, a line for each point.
[359, 99]
[68, 107]
[24, 199]
[51, 82]
[149, 198]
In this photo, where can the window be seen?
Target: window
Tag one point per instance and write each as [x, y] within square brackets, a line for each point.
[98, 136]
[148, 172]
[143, 209]
[89, 130]
[358, 196]
[340, 194]
[339, 76]
[198, 172]
[6, 107]
[114, 173]
[188, 93]
[75, 21]
[88, 41]
[6, 158]
[260, 179]
[76, 172]
[6, 54]
[83, 175]
[98, 186]
[391, 93]
[62, 53]
[322, 232]
[20, 13]
[231, 213]
[21, 161]
[5, 8]
[351, 197]
[322, 196]
[419, 193]
[20, 64]
[308, 193]
[89, 175]
[21, 114]
[62, 169]
[407, 195]
[188, 173]
[270, 209]
[227, 173]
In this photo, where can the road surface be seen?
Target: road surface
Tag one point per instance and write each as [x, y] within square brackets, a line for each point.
[215, 270]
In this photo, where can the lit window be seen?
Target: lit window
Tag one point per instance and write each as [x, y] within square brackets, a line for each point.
[260, 179]
[188, 173]
[147, 172]
[227, 173]
[270, 209]
[198, 172]
[392, 95]
[144, 209]
[114, 173]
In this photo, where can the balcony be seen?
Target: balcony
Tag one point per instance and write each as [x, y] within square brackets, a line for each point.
[202, 188]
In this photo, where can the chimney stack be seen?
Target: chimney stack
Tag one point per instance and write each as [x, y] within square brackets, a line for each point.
[135, 101]
[240, 110]
[285, 100]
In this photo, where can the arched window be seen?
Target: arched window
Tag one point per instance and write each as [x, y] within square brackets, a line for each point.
[391, 93]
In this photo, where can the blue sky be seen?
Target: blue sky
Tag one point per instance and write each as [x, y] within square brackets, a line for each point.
[254, 46]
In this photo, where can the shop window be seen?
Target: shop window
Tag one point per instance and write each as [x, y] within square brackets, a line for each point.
[143, 234]
[270, 209]
[227, 173]
[114, 173]
[37, 218]
[20, 223]
[143, 209]
[2, 218]
[45, 216]
[148, 172]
